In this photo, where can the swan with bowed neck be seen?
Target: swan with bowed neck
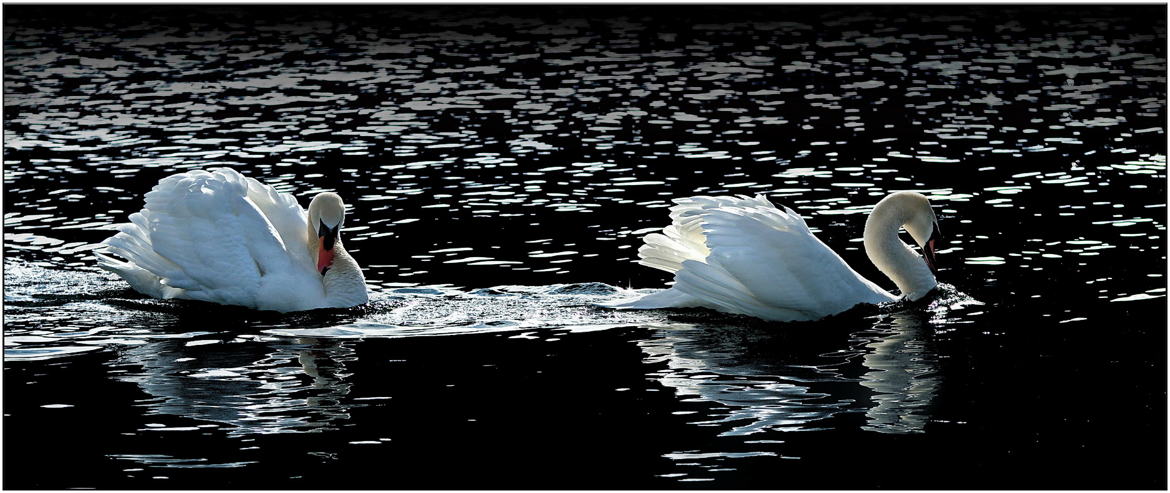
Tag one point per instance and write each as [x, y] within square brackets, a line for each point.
[745, 256]
[225, 238]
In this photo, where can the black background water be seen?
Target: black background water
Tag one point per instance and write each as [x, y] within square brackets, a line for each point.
[502, 164]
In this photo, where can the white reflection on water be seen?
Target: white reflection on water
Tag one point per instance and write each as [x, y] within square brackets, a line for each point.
[903, 374]
[276, 387]
[764, 380]
[769, 381]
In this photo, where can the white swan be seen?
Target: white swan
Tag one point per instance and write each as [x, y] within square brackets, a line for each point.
[743, 255]
[221, 237]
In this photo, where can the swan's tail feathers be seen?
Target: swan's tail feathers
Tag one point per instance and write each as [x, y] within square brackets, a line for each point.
[144, 269]
[140, 279]
[666, 298]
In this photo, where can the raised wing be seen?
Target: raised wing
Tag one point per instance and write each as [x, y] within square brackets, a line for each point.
[214, 236]
[285, 215]
[765, 262]
[683, 239]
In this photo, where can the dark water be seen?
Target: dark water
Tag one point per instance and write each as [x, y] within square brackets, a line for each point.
[503, 165]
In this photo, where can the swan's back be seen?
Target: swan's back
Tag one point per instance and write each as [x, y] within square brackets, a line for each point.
[743, 255]
[221, 237]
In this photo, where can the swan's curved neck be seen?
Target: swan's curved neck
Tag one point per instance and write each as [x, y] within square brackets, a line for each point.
[344, 283]
[889, 254]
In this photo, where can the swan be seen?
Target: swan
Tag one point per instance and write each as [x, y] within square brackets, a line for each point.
[222, 237]
[745, 256]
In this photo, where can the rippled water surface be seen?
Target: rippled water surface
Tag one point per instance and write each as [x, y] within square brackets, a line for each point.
[502, 165]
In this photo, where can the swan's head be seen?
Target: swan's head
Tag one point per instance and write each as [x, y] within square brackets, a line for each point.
[921, 223]
[326, 215]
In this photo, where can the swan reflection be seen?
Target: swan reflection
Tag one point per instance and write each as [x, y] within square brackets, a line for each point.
[903, 374]
[254, 387]
[803, 379]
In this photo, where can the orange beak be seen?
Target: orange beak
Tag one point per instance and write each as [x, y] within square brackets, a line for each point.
[326, 238]
[324, 259]
[929, 254]
[928, 251]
